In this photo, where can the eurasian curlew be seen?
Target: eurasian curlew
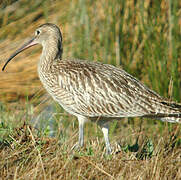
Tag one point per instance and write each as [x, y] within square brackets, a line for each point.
[94, 91]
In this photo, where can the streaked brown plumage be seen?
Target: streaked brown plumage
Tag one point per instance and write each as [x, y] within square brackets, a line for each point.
[94, 91]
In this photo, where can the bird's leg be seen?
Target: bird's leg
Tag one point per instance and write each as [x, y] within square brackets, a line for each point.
[80, 143]
[81, 133]
[105, 130]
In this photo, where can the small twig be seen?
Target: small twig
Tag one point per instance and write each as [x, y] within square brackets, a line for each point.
[15, 174]
[97, 167]
[39, 155]
[170, 89]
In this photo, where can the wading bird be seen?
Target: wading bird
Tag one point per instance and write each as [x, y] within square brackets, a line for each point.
[94, 91]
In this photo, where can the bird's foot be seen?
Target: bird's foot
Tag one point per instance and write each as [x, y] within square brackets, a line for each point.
[108, 150]
[76, 147]
[114, 149]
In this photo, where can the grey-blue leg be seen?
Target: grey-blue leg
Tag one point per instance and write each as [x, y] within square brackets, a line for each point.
[105, 130]
[80, 143]
[82, 121]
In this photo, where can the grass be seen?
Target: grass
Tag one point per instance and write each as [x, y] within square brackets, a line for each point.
[36, 135]
[143, 152]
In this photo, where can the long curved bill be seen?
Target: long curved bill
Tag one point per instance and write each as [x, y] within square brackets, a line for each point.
[22, 48]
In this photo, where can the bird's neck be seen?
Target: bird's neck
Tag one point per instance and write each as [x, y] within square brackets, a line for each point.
[51, 51]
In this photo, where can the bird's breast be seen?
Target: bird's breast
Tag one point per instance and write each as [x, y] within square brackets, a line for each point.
[57, 90]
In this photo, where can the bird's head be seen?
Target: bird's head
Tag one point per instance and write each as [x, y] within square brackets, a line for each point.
[46, 34]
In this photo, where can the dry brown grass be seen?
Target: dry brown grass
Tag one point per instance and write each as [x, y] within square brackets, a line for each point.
[28, 156]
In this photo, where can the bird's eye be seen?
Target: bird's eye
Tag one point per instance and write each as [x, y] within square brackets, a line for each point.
[37, 32]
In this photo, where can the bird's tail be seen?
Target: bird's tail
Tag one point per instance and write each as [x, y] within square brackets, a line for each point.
[172, 119]
[168, 111]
